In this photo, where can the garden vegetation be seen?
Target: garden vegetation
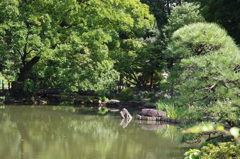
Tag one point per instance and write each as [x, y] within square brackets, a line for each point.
[184, 55]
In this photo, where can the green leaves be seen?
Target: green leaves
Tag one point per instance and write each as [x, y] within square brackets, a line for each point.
[225, 13]
[221, 151]
[203, 127]
[192, 154]
[72, 40]
[210, 127]
[182, 15]
[235, 132]
[207, 60]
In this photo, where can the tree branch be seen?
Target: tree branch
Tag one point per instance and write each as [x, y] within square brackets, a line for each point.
[212, 138]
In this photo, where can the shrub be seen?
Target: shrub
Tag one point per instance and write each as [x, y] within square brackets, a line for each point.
[126, 94]
[206, 70]
[192, 154]
[225, 150]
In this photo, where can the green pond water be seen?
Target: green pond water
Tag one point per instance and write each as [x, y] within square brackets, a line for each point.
[64, 132]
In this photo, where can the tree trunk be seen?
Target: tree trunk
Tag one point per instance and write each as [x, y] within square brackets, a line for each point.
[17, 86]
[180, 2]
[168, 7]
[26, 68]
[151, 82]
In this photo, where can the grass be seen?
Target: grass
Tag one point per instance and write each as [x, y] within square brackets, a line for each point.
[173, 111]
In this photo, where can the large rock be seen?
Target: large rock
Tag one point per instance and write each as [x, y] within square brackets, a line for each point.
[112, 103]
[152, 113]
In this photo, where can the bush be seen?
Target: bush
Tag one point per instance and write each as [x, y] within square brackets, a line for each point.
[224, 150]
[221, 151]
[206, 70]
[126, 94]
[192, 154]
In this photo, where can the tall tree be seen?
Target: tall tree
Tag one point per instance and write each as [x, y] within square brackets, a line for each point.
[208, 69]
[161, 9]
[140, 60]
[185, 14]
[225, 13]
[76, 36]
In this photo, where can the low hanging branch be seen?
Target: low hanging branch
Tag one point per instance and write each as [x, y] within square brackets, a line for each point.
[207, 88]
[215, 137]
[210, 137]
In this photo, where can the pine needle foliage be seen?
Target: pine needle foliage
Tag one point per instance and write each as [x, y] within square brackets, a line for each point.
[184, 14]
[207, 62]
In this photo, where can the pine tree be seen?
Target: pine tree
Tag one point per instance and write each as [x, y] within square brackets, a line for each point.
[208, 70]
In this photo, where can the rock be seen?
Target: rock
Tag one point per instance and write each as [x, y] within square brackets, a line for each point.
[164, 119]
[152, 113]
[103, 104]
[112, 103]
[113, 110]
[125, 114]
[148, 118]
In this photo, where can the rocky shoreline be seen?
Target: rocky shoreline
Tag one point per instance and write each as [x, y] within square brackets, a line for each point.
[165, 119]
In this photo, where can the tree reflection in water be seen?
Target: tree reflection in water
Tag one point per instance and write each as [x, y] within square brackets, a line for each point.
[64, 133]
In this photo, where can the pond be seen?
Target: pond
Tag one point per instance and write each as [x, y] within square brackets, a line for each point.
[64, 132]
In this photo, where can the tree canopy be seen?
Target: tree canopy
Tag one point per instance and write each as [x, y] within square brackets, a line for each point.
[223, 12]
[208, 69]
[184, 14]
[68, 40]
[98, 45]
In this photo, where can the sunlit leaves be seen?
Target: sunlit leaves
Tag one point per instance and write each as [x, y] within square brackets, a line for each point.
[187, 13]
[210, 127]
[235, 132]
[192, 154]
[225, 13]
[205, 127]
[73, 39]
[207, 59]
[9, 9]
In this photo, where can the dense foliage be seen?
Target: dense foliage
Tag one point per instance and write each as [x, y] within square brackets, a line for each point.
[68, 43]
[208, 70]
[221, 151]
[224, 12]
[161, 9]
[162, 45]
[182, 15]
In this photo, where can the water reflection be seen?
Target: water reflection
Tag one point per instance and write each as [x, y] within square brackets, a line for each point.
[67, 133]
[124, 122]
[155, 126]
